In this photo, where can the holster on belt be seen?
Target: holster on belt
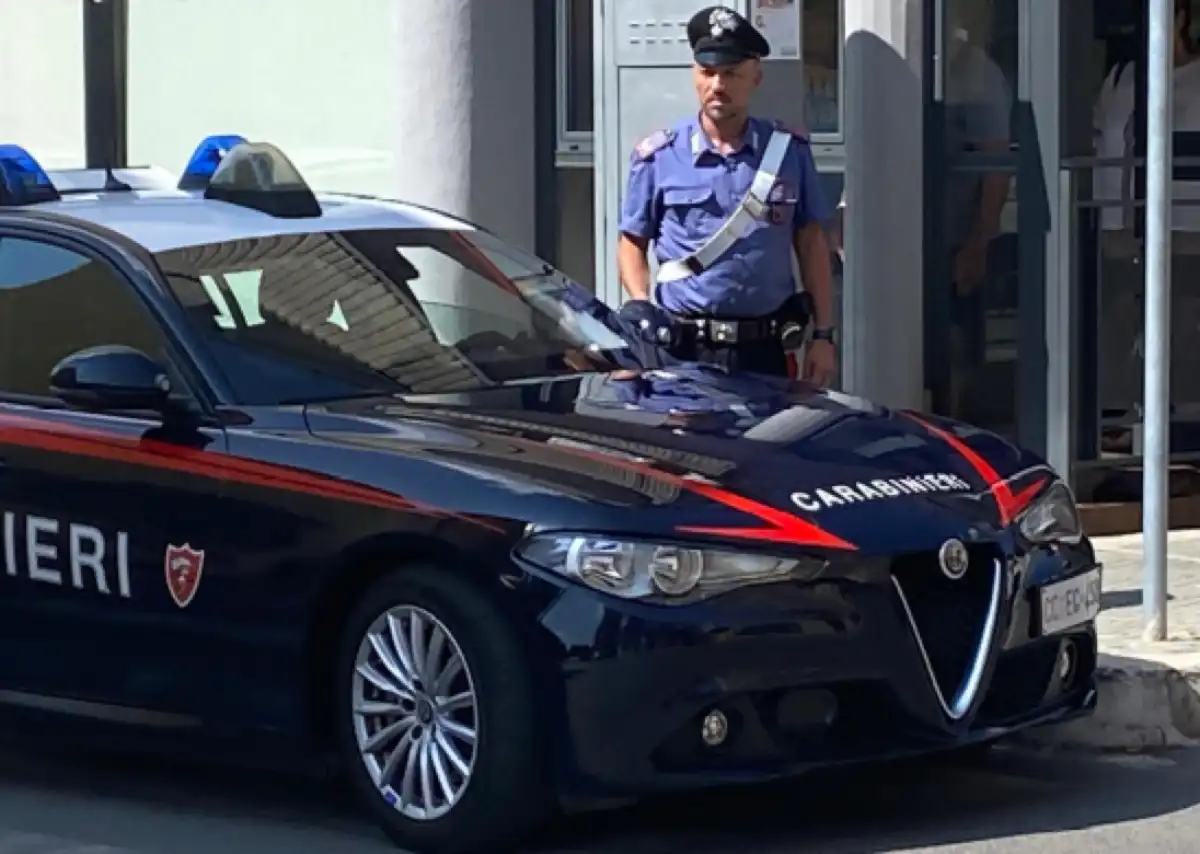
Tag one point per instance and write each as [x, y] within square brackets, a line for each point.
[786, 324]
[794, 316]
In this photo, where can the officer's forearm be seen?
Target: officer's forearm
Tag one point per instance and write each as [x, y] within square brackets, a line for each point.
[993, 200]
[812, 248]
[994, 193]
[633, 266]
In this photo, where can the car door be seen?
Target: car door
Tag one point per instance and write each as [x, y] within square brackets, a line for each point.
[108, 520]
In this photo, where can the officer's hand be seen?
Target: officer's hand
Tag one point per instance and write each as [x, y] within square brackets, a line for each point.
[650, 321]
[820, 363]
[970, 266]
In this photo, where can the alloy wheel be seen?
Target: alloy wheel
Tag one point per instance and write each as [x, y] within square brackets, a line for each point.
[415, 711]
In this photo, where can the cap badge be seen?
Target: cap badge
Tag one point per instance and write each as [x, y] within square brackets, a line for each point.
[721, 21]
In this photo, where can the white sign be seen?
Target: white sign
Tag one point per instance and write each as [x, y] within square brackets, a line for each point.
[779, 22]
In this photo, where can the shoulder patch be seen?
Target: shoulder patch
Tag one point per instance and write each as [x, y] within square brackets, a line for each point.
[797, 130]
[654, 143]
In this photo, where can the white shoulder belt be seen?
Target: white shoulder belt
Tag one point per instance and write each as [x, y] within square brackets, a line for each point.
[750, 211]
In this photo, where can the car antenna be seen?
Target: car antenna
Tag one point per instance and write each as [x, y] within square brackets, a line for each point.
[113, 184]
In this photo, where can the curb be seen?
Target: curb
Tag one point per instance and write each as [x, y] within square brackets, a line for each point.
[1142, 705]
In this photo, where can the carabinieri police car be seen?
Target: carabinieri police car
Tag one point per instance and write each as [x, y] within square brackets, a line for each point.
[296, 474]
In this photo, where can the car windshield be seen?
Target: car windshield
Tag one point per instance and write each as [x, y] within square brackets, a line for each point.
[304, 317]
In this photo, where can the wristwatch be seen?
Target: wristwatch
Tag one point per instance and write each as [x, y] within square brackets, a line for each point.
[825, 334]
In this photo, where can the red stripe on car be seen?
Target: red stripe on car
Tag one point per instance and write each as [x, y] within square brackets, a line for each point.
[779, 526]
[47, 435]
[1009, 504]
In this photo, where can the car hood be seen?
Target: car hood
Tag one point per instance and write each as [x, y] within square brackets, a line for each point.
[706, 453]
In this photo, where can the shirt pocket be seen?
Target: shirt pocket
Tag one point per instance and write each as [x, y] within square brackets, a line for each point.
[694, 208]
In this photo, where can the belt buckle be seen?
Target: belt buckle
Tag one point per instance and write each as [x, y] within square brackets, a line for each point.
[723, 332]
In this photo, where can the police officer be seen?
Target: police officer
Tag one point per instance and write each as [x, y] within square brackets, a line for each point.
[726, 198]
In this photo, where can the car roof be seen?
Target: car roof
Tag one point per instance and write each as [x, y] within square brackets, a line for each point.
[166, 219]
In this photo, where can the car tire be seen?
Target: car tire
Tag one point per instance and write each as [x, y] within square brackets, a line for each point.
[482, 799]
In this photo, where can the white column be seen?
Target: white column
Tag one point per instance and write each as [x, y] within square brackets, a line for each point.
[464, 136]
[884, 222]
[464, 111]
[41, 65]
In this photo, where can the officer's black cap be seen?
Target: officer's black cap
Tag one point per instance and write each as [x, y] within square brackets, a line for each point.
[720, 36]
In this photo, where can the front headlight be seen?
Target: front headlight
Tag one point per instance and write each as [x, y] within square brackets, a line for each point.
[1053, 518]
[672, 574]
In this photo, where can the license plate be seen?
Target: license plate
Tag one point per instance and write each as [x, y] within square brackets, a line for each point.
[1070, 603]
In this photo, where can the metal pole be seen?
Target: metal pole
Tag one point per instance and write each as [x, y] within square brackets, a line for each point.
[1159, 73]
[105, 46]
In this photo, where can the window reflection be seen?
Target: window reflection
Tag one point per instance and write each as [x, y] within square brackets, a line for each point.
[971, 328]
[979, 74]
[1119, 135]
[579, 86]
[822, 65]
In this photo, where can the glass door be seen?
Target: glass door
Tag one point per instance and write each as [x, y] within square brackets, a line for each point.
[985, 223]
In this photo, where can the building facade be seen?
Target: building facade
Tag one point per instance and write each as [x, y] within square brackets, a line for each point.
[981, 278]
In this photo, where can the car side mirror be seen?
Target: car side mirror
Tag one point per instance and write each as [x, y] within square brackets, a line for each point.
[111, 378]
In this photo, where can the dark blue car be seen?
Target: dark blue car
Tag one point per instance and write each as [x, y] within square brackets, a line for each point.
[296, 475]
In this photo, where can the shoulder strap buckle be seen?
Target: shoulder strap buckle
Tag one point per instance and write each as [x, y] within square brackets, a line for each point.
[751, 210]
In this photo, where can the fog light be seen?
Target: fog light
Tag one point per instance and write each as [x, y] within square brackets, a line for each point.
[1066, 662]
[715, 728]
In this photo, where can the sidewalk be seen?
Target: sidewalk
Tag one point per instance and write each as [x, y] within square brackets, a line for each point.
[1149, 692]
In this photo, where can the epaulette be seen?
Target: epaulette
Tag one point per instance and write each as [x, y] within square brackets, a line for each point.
[797, 130]
[654, 143]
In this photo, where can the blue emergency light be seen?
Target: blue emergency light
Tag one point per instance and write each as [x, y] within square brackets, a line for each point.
[205, 160]
[23, 181]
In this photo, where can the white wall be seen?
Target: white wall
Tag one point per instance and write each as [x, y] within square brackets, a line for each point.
[41, 73]
[427, 100]
[430, 101]
[314, 78]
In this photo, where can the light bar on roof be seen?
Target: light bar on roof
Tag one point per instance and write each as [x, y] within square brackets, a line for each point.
[206, 159]
[23, 181]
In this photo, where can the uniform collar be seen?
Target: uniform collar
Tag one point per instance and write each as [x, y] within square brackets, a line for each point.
[701, 144]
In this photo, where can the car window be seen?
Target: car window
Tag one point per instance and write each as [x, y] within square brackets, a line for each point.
[294, 318]
[55, 302]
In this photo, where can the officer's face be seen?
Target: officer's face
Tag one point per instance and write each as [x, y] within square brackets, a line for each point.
[725, 90]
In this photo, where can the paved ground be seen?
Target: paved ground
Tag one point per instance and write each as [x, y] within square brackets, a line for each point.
[1121, 621]
[1017, 802]
[1149, 691]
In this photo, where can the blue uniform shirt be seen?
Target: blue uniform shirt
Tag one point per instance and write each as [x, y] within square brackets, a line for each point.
[681, 190]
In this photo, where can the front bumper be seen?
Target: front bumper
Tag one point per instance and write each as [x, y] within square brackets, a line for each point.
[878, 659]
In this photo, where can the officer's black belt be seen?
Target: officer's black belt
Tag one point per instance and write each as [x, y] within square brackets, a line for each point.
[710, 330]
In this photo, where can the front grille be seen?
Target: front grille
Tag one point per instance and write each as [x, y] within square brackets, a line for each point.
[950, 617]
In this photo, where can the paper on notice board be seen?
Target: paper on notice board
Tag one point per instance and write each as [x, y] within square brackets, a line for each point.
[779, 22]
